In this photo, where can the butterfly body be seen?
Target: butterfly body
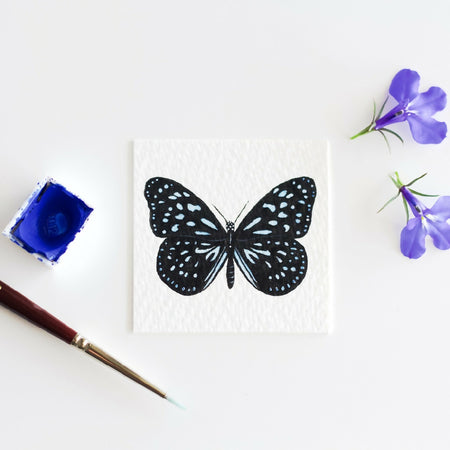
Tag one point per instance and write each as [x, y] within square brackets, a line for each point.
[264, 245]
[230, 253]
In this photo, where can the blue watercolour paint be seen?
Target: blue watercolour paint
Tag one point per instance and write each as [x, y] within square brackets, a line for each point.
[48, 221]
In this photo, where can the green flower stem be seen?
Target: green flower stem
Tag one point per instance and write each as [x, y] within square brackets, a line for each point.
[366, 130]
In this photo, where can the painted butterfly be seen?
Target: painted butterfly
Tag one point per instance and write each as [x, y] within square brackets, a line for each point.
[264, 244]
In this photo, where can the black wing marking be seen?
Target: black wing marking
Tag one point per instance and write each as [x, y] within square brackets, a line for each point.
[188, 265]
[176, 211]
[284, 211]
[273, 266]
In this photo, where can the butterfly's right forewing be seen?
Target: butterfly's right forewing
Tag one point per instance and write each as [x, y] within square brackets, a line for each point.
[284, 211]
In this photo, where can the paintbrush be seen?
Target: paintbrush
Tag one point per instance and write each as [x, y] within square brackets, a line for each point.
[24, 307]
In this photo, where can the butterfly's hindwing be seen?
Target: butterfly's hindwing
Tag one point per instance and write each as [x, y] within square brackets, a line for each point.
[284, 211]
[189, 266]
[273, 266]
[176, 211]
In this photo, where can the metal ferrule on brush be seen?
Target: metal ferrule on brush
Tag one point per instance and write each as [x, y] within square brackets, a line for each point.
[91, 349]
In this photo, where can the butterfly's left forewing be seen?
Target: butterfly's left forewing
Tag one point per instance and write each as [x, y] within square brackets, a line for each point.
[176, 211]
[266, 251]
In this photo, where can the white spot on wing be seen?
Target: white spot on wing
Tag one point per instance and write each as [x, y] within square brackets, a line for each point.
[262, 252]
[253, 223]
[245, 269]
[217, 267]
[269, 206]
[193, 208]
[251, 256]
[208, 223]
[262, 232]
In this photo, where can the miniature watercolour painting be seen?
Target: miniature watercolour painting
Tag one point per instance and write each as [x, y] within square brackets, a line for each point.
[231, 236]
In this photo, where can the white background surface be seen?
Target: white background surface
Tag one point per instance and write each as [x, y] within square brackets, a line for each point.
[79, 80]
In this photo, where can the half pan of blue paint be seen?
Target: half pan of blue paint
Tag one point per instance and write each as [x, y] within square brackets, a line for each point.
[48, 221]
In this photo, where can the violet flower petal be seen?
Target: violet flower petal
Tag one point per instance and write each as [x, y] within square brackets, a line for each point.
[405, 86]
[426, 130]
[412, 238]
[440, 233]
[441, 209]
[429, 102]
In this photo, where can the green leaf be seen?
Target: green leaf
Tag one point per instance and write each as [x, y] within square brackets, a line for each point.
[387, 203]
[374, 111]
[415, 179]
[385, 139]
[394, 133]
[393, 180]
[423, 195]
[396, 180]
[381, 110]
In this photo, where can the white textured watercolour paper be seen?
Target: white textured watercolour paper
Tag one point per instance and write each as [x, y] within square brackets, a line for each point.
[230, 175]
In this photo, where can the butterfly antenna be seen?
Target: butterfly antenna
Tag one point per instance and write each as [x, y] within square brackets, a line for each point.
[242, 210]
[217, 209]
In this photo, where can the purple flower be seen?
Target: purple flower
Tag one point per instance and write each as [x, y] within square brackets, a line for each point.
[426, 221]
[431, 222]
[417, 109]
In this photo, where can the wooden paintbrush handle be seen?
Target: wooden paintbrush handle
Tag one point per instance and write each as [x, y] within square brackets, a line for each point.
[19, 304]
